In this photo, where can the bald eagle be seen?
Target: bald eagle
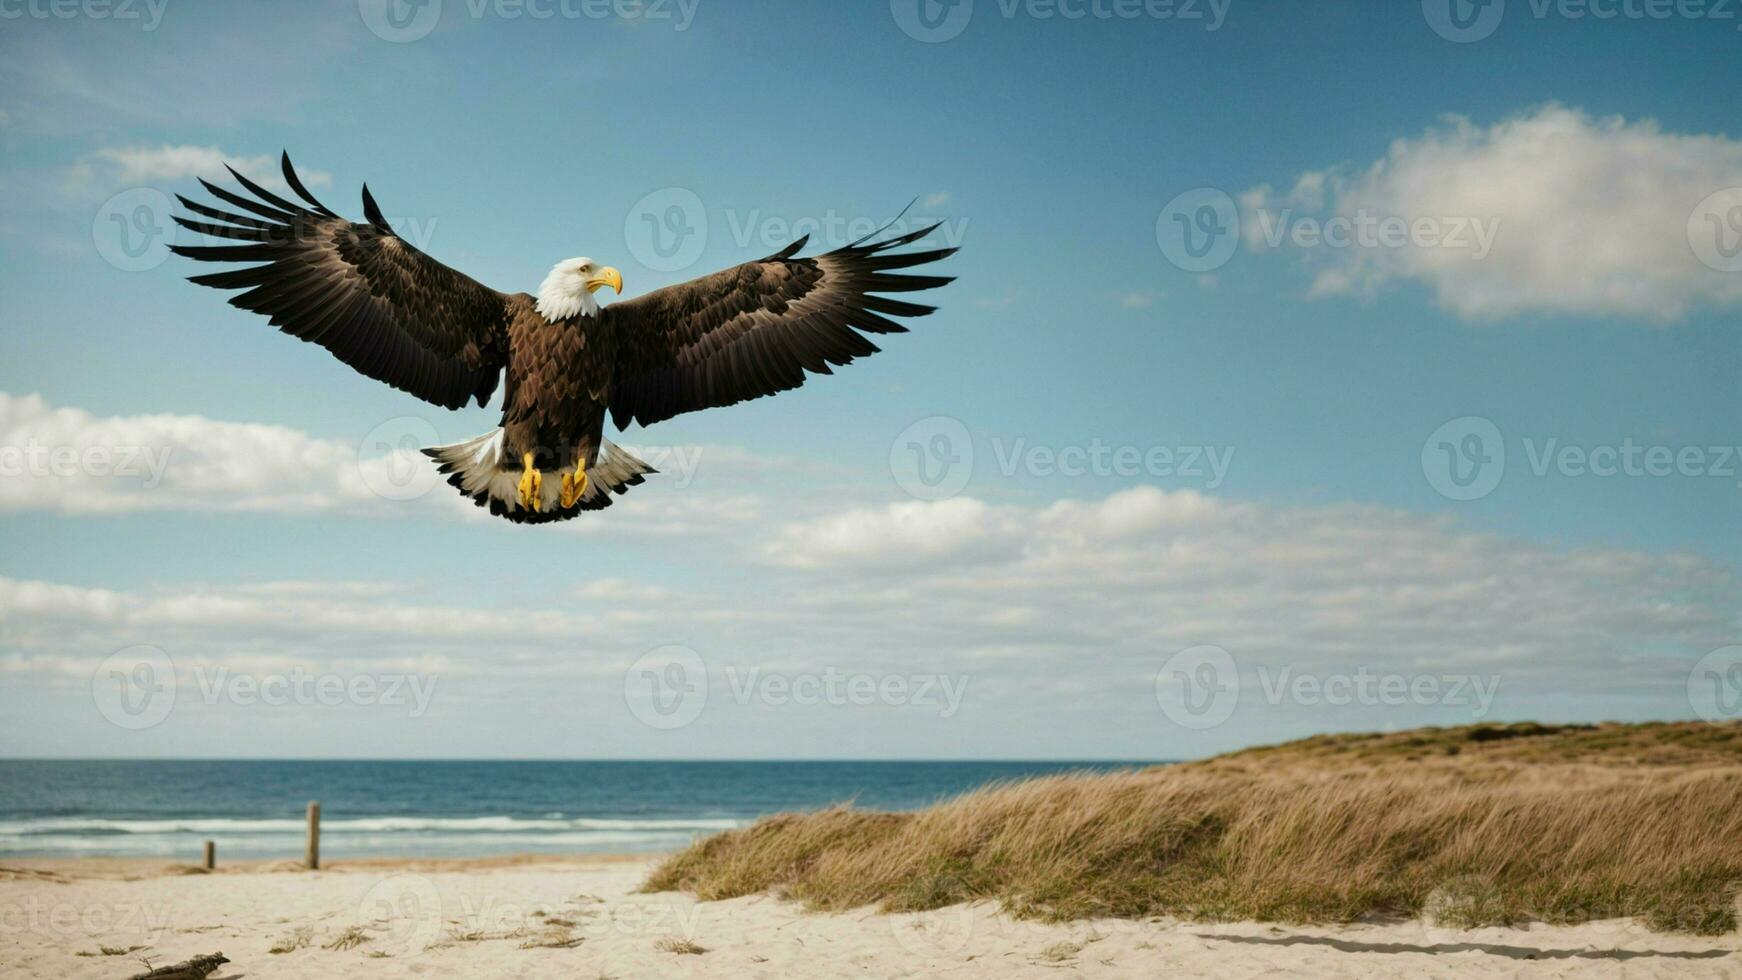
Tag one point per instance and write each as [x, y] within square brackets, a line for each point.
[398, 316]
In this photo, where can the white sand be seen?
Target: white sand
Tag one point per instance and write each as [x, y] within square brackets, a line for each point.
[476, 920]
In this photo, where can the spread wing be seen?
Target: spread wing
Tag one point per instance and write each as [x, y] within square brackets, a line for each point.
[756, 328]
[359, 290]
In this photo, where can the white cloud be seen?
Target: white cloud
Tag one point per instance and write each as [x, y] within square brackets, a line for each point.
[1059, 613]
[1591, 216]
[899, 535]
[148, 164]
[1142, 573]
[614, 589]
[69, 461]
[259, 613]
[935, 200]
[1059, 616]
[307, 588]
[1140, 299]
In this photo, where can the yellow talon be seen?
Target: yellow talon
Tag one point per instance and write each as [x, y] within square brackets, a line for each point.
[575, 487]
[531, 485]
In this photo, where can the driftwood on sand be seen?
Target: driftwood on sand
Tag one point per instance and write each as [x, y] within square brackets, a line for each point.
[197, 968]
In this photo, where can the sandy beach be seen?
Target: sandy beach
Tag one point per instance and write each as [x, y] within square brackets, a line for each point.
[533, 917]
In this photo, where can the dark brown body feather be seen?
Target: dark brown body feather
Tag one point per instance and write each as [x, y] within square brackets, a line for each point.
[399, 316]
[559, 383]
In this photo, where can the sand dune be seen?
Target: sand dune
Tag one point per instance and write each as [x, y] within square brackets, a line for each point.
[583, 918]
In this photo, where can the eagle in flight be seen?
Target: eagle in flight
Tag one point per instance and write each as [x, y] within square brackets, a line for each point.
[399, 316]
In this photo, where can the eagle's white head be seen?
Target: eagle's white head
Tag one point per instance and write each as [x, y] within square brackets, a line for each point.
[568, 290]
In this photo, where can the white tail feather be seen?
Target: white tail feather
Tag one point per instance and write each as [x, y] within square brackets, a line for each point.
[479, 469]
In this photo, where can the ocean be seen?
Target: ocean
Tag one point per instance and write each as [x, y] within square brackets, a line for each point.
[166, 808]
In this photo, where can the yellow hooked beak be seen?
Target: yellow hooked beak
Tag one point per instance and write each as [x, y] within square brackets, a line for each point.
[606, 277]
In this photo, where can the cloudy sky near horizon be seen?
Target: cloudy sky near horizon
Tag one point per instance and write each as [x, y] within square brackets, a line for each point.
[1308, 369]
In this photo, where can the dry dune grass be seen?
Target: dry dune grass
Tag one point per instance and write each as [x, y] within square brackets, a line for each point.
[1683, 744]
[1469, 826]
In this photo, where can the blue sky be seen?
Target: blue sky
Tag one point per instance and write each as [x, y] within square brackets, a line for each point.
[1055, 147]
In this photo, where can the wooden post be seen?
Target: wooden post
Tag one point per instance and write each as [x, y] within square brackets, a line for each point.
[312, 857]
[211, 855]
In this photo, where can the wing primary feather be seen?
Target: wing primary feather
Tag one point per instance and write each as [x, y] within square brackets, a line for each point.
[912, 236]
[295, 184]
[372, 211]
[869, 321]
[901, 260]
[896, 307]
[223, 231]
[225, 253]
[789, 251]
[886, 224]
[252, 207]
[234, 278]
[221, 215]
[262, 193]
[905, 284]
